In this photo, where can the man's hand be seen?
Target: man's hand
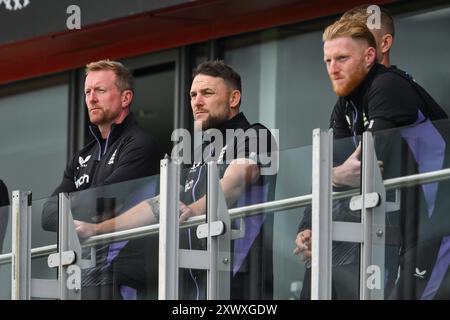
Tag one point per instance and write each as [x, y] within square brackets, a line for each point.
[303, 244]
[349, 173]
[84, 229]
[185, 212]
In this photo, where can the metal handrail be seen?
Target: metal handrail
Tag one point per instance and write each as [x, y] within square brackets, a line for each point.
[35, 253]
[285, 204]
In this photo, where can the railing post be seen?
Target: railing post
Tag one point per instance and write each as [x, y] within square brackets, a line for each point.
[21, 245]
[373, 215]
[67, 259]
[218, 222]
[169, 230]
[321, 264]
[69, 270]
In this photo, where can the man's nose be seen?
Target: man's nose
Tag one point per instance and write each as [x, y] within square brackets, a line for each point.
[197, 101]
[91, 96]
[333, 67]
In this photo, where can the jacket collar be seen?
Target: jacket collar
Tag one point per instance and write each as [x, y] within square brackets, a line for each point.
[116, 129]
[361, 89]
[239, 121]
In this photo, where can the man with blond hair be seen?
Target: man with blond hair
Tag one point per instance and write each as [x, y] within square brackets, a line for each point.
[120, 151]
[371, 97]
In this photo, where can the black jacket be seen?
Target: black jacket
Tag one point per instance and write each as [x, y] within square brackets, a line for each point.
[387, 98]
[4, 197]
[232, 148]
[4, 212]
[128, 153]
[252, 272]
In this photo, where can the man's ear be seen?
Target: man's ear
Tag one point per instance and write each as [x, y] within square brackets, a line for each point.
[235, 98]
[127, 96]
[371, 56]
[386, 42]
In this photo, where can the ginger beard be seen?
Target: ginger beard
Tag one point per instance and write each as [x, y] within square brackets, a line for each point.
[343, 87]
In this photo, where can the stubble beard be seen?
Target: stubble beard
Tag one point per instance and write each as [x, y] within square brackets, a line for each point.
[97, 117]
[354, 81]
[210, 122]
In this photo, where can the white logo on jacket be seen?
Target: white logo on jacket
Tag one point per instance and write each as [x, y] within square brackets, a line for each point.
[82, 180]
[111, 160]
[83, 161]
[222, 153]
[195, 166]
[189, 184]
[420, 274]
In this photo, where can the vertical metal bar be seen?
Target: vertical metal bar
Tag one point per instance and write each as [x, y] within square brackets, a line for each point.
[169, 230]
[322, 159]
[366, 214]
[211, 216]
[73, 271]
[372, 258]
[21, 245]
[219, 242]
[223, 255]
[63, 241]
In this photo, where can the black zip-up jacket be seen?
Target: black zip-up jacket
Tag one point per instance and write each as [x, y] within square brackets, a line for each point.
[386, 98]
[128, 153]
[257, 257]
[4, 212]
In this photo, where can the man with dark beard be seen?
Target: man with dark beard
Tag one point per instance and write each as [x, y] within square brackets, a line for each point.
[244, 179]
[371, 98]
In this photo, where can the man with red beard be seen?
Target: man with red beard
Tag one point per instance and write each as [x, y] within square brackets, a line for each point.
[371, 97]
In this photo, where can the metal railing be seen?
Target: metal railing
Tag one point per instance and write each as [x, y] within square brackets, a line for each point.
[276, 205]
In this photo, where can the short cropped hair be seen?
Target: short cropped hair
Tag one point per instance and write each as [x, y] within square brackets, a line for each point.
[124, 78]
[360, 13]
[219, 69]
[349, 28]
